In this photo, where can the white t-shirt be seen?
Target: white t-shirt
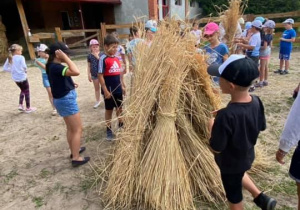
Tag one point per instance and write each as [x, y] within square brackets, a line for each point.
[17, 68]
[197, 34]
[255, 41]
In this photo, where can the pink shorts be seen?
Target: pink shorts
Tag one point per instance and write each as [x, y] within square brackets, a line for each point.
[264, 57]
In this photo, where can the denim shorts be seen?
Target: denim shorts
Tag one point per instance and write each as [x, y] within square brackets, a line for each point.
[94, 78]
[67, 105]
[285, 56]
[45, 80]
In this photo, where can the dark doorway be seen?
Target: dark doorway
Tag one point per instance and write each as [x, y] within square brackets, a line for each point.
[65, 20]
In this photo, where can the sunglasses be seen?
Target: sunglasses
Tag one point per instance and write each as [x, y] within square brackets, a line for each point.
[209, 36]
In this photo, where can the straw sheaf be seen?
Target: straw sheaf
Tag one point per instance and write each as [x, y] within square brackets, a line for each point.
[162, 159]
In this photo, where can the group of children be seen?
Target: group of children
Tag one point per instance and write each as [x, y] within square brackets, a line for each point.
[255, 42]
[235, 128]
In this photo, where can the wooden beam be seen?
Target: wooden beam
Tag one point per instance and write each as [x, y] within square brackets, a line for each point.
[25, 28]
[103, 33]
[58, 34]
[121, 25]
[83, 40]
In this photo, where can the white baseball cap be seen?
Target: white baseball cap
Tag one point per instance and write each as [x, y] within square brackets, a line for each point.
[42, 48]
[269, 24]
[289, 20]
[257, 24]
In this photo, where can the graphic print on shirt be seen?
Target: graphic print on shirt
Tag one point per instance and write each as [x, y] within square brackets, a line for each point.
[114, 68]
[109, 66]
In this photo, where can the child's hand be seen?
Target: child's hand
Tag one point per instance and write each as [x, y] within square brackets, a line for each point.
[76, 85]
[90, 77]
[61, 55]
[214, 113]
[280, 155]
[107, 95]
[123, 90]
[210, 124]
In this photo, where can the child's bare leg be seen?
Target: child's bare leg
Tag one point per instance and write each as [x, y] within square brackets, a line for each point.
[287, 65]
[74, 132]
[249, 185]
[236, 206]
[298, 190]
[267, 70]
[97, 89]
[281, 64]
[262, 70]
[118, 113]
[50, 96]
[108, 117]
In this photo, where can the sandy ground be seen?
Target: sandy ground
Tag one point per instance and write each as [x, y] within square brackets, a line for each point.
[35, 171]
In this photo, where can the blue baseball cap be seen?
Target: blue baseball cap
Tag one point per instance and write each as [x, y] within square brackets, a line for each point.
[248, 25]
[261, 19]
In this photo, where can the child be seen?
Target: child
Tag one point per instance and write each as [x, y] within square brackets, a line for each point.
[130, 37]
[217, 52]
[197, 33]
[134, 31]
[150, 33]
[289, 138]
[92, 69]
[252, 47]
[120, 53]
[288, 37]
[64, 97]
[235, 130]
[41, 64]
[265, 52]
[15, 63]
[111, 80]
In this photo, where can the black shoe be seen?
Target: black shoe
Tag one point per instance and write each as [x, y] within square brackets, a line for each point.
[251, 89]
[284, 72]
[277, 71]
[265, 202]
[76, 163]
[82, 149]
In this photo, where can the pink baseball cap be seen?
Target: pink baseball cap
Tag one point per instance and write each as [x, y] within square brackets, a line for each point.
[94, 42]
[211, 28]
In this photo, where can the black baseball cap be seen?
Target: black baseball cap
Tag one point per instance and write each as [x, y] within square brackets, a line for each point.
[59, 46]
[238, 69]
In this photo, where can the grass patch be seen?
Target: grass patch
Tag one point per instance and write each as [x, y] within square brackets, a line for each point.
[39, 201]
[13, 173]
[44, 173]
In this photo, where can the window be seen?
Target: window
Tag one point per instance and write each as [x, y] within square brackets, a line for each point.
[178, 2]
[192, 3]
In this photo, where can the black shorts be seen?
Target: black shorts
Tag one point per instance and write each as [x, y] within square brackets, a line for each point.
[232, 184]
[114, 102]
[295, 165]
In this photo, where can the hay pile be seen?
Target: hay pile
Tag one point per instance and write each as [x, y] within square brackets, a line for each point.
[229, 19]
[162, 160]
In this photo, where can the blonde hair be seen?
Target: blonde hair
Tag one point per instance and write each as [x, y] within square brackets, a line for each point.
[11, 51]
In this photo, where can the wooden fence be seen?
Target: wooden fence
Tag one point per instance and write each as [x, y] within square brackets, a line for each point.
[79, 38]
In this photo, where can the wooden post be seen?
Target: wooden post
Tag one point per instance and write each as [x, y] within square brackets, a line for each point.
[25, 28]
[103, 32]
[187, 8]
[58, 34]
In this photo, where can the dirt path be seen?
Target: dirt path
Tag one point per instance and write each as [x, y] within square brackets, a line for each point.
[35, 171]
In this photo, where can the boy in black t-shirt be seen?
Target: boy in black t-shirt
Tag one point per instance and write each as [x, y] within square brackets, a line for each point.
[235, 130]
[111, 80]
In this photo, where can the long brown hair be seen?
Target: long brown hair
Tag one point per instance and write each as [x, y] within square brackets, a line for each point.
[11, 51]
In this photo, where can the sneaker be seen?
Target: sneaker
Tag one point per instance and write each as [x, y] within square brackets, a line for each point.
[284, 72]
[259, 84]
[21, 108]
[54, 112]
[29, 110]
[265, 202]
[97, 104]
[251, 89]
[109, 135]
[277, 71]
[265, 83]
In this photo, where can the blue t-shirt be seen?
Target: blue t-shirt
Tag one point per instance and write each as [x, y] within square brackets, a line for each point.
[286, 47]
[43, 61]
[215, 55]
[60, 84]
[266, 38]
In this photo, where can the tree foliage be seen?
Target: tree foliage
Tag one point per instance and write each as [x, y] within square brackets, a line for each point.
[254, 6]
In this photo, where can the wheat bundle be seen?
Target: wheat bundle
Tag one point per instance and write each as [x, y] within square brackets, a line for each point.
[162, 159]
[229, 19]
